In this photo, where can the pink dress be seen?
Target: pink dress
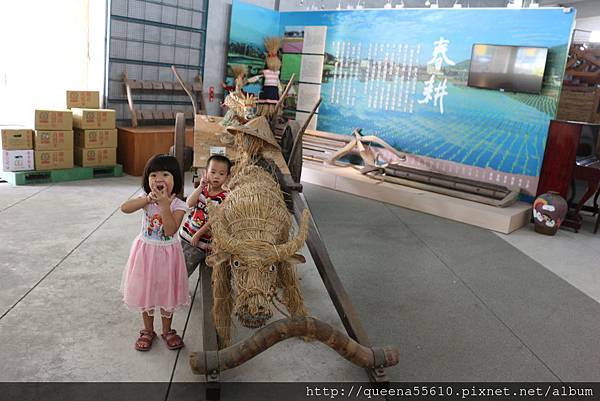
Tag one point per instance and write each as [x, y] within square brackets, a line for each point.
[155, 276]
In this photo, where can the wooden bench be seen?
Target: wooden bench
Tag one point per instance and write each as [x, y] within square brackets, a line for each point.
[165, 88]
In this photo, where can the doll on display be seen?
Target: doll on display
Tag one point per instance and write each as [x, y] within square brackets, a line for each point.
[269, 95]
[239, 73]
[241, 106]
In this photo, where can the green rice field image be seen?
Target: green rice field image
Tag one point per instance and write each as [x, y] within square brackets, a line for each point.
[485, 128]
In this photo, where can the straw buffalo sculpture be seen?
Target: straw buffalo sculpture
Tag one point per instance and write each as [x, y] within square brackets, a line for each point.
[253, 262]
[254, 252]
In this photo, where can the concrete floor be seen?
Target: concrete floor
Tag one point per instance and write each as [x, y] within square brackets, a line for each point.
[462, 303]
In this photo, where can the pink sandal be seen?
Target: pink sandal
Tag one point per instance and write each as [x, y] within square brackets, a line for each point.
[172, 339]
[144, 341]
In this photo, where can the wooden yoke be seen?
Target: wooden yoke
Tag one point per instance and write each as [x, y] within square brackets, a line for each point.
[309, 327]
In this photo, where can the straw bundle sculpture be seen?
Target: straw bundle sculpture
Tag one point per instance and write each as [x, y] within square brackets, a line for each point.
[273, 44]
[239, 73]
[240, 102]
[249, 149]
[254, 253]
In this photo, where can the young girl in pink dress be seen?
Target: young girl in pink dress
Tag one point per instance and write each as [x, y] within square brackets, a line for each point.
[155, 278]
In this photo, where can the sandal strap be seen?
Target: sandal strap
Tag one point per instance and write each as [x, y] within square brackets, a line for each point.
[147, 334]
[172, 338]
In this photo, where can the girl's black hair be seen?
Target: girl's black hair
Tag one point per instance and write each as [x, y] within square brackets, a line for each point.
[222, 159]
[163, 163]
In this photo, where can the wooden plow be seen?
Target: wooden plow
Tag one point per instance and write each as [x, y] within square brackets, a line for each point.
[327, 148]
[354, 345]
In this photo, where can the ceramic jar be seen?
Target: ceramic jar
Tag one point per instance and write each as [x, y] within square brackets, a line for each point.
[549, 211]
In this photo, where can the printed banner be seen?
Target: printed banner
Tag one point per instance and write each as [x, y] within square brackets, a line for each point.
[401, 74]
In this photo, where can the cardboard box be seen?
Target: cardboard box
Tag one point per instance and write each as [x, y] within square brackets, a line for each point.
[83, 99]
[95, 157]
[53, 140]
[93, 118]
[54, 119]
[96, 138]
[16, 160]
[207, 143]
[16, 139]
[53, 159]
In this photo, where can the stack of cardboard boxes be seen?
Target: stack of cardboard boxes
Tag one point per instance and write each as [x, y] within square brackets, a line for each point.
[16, 146]
[95, 130]
[53, 140]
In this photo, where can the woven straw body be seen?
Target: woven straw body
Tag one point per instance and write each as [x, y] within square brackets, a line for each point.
[253, 252]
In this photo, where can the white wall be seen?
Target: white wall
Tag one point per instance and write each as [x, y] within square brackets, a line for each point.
[48, 47]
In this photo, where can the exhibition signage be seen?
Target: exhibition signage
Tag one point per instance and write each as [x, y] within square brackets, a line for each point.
[402, 74]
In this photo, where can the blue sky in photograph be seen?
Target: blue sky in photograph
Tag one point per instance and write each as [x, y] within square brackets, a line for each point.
[462, 27]
[251, 24]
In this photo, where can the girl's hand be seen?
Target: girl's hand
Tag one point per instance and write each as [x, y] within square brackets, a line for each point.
[151, 198]
[162, 197]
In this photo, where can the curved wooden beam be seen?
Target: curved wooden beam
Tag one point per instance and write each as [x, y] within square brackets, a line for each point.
[283, 95]
[134, 122]
[178, 77]
[283, 329]
[298, 138]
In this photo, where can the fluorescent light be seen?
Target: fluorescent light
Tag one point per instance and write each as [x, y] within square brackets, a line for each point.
[595, 36]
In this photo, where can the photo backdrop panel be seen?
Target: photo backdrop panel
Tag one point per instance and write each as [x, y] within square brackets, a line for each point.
[402, 75]
[311, 69]
[303, 55]
[250, 25]
[314, 39]
[308, 96]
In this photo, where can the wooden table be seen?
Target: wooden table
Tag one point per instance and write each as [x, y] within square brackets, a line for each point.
[560, 168]
[137, 145]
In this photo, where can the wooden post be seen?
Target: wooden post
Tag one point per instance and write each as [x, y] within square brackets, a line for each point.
[209, 336]
[179, 143]
[134, 122]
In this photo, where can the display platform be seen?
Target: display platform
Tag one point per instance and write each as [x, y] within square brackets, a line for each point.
[60, 175]
[348, 179]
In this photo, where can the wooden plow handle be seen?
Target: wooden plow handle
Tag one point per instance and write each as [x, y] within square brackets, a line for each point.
[283, 96]
[203, 362]
[178, 77]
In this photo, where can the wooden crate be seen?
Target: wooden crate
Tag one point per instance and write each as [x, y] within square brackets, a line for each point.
[579, 104]
[137, 145]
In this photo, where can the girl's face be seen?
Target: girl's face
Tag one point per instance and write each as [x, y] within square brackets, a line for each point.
[216, 173]
[161, 180]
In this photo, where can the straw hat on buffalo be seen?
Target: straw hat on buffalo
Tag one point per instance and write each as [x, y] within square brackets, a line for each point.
[257, 127]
